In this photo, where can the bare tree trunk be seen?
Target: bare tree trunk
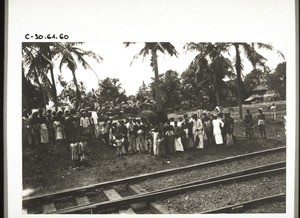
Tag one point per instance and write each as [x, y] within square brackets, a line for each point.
[216, 90]
[238, 79]
[78, 95]
[49, 57]
[54, 89]
[41, 88]
[157, 88]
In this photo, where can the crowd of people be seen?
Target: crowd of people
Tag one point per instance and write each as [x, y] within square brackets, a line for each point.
[132, 135]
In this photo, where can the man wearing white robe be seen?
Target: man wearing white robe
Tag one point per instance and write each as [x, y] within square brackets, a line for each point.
[217, 124]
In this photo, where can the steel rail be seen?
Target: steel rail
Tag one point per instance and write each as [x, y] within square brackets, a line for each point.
[229, 175]
[248, 204]
[75, 191]
[163, 193]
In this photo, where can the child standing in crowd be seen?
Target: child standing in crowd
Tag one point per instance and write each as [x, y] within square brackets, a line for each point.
[261, 123]
[74, 153]
[83, 150]
[273, 111]
[119, 144]
[248, 122]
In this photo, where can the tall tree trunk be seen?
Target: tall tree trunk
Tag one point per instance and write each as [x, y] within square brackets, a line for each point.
[49, 57]
[78, 95]
[41, 88]
[216, 89]
[54, 89]
[157, 88]
[238, 78]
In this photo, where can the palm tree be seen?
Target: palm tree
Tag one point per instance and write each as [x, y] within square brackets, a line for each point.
[33, 60]
[71, 55]
[39, 58]
[249, 52]
[151, 48]
[212, 60]
[255, 59]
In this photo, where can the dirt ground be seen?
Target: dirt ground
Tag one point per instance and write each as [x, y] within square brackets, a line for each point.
[45, 172]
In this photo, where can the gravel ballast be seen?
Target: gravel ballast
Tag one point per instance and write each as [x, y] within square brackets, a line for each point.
[211, 171]
[276, 207]
[229, 194]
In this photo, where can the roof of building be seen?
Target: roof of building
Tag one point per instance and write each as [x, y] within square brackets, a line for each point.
[254, 96]
[260, 88]
[258, 96]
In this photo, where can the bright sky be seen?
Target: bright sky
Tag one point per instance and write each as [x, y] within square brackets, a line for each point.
[117, 59]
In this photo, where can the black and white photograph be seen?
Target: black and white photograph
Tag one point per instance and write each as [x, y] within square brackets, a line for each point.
[204, 135]
[150, 125]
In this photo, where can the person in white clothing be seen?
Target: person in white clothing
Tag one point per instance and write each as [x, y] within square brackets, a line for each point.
[198, 132]
[217, 125]
[177, 135]
[273, 111]
[155, 138]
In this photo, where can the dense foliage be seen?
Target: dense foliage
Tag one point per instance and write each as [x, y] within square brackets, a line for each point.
[210, 79]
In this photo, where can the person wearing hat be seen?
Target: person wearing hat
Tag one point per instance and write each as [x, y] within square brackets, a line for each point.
[261, 123]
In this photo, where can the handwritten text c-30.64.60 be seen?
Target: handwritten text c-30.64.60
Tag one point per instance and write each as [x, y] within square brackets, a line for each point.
[46, 36]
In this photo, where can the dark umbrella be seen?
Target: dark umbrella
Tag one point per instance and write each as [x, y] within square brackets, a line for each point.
[115, 117]
[147, 114]
[150, 115]
[146, 105]
[109, 113]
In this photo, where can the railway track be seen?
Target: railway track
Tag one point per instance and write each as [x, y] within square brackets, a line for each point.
[111, 200]
[238, 208]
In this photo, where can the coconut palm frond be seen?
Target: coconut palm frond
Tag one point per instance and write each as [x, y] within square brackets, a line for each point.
[265, 46]
[169, 48]
[94, 56]
[253, 56]
[143, 53]
[127, 44]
